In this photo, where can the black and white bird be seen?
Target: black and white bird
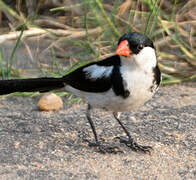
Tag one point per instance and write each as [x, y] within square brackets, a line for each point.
[120, 83]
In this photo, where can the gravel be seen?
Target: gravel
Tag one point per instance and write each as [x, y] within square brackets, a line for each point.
[52, 145]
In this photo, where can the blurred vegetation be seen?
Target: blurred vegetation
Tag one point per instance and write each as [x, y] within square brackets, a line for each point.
[94, 26]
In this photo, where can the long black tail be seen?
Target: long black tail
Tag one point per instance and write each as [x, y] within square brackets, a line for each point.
[30, 85]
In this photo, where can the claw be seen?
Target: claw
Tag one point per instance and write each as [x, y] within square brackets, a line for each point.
[105, 148]
[135, 146]
[109, 149]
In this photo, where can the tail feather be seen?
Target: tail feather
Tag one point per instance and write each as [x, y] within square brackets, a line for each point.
[30, 85]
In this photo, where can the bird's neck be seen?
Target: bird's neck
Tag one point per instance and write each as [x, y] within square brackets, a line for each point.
[145, 60]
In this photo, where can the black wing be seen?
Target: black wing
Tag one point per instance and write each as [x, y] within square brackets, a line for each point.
[80, 79]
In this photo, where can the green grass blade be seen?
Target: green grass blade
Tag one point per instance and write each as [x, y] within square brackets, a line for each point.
[174, 10]
[155, 18]
[152, 13]
[110, 23]
[13, 13]
[115, 9]
[2, 68]
[11, 59]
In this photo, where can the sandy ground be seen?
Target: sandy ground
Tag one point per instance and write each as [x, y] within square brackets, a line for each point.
[51, 145]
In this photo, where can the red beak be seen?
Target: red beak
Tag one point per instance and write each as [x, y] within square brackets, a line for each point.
[123, 49]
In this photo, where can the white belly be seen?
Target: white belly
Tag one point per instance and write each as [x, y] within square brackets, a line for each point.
[109, 101]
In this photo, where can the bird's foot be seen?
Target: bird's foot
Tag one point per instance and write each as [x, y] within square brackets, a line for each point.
[135, 146]
[105, 148]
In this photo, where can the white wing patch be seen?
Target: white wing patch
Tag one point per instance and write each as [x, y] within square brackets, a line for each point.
[96, 72]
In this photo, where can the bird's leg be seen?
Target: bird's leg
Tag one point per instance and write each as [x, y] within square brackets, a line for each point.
[130, 142]
[102, 148]
[88, 116]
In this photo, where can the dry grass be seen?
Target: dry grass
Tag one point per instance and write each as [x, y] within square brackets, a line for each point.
[95, 26]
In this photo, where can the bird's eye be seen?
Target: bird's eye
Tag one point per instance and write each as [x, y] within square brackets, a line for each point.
[139, 47]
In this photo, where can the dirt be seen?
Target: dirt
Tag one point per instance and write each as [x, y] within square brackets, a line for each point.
[51, 145]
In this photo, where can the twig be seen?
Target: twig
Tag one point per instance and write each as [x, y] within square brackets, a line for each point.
[183, 49]
[75, 34]
[176, 80]
[167, 68]
[51, 22]
[58, 32]
[70, 7]
[15, 35]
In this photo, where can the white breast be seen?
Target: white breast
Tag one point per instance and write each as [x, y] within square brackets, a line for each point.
[138, 83]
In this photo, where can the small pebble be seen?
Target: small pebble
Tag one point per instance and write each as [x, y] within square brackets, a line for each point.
[50, 102]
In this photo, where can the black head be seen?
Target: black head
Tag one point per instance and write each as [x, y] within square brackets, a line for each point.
[136, 41]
